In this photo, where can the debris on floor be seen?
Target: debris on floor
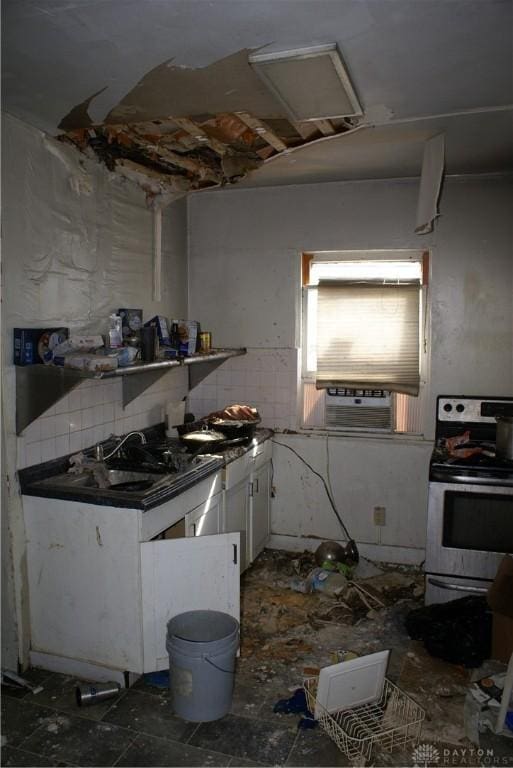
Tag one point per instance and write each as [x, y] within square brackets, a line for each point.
[287, 602]
[441, 688]
[14, 680]
[287, 636]
[459, 631]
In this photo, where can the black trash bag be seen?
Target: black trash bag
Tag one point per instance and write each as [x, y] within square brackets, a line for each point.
[459, 631]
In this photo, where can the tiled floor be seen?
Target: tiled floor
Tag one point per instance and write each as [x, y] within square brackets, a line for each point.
[138, 728]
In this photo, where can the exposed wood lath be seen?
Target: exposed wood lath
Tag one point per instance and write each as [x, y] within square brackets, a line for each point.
[180, 154]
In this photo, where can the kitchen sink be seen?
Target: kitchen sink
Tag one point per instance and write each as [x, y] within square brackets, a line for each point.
[107, 479]
[96, 480]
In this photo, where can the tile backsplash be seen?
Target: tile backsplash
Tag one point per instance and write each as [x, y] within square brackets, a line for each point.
[92, 412]
[263, 378]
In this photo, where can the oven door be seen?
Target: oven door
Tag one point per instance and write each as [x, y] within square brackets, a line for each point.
[470, 528]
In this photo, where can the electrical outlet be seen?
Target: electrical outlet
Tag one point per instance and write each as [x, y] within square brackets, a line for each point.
[380, 516]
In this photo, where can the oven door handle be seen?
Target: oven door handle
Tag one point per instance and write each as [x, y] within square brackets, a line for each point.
[457, 587]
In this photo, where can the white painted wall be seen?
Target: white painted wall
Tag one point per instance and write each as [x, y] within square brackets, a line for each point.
[244, 277]
[77, 245]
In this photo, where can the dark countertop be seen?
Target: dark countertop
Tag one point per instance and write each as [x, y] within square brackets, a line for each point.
[46, 479]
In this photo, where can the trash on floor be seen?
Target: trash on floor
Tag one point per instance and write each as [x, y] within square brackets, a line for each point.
[458, 631]
[87, 694]
[488, 691]
[288, 602]
[13, 680]
[158, 679]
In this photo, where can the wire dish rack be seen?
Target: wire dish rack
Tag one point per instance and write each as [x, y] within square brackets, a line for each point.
[393, 722]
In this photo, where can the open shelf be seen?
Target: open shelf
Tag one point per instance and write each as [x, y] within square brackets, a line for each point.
[38, 387]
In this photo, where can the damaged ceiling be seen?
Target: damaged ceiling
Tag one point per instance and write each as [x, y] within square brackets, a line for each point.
[163, 92]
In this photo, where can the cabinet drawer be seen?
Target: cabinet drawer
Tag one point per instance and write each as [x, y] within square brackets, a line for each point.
[253, 459]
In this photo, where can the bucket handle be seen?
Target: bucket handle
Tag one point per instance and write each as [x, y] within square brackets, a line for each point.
[228, 671]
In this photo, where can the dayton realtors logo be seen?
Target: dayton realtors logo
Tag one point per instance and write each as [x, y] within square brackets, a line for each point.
[425, 755]
[429, 756]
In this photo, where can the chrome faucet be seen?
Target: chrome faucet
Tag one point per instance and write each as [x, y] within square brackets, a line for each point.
[98, 450]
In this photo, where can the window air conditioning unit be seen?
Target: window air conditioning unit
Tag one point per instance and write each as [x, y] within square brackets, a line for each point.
[358, 410]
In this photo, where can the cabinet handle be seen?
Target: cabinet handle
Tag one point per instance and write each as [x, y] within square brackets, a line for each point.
[234, 554]
[256, 485]
[194, 529]
[250, 487]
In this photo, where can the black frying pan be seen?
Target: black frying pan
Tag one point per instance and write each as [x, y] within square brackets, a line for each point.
[233, 428]
[209, 441]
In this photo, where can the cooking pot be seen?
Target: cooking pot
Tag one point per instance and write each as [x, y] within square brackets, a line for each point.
[504, 437]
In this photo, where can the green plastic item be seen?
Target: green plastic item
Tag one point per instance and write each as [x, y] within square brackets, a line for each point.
[330, 565]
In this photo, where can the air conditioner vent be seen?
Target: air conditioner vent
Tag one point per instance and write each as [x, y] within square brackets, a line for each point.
[358, 410]
[353, 417]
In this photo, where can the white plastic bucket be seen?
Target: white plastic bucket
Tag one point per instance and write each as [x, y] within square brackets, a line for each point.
[202, 646]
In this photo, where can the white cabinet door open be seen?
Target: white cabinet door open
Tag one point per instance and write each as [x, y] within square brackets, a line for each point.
[200, 573]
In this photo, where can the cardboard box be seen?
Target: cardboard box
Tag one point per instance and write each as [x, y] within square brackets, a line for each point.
[33, 346]
[188, 332]
[500, 600]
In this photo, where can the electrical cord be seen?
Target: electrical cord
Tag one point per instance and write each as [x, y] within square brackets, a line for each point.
[328, 494]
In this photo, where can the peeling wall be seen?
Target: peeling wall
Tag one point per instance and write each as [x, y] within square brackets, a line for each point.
[77, 244]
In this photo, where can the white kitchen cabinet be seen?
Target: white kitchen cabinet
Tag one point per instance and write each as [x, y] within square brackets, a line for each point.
[247, 499]
[101, 591]
[236, 517]
[260, 508]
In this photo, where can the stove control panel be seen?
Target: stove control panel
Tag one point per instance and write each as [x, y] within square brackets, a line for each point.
[473, 410]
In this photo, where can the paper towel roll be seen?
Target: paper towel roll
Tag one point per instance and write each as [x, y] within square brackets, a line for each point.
[174, 415]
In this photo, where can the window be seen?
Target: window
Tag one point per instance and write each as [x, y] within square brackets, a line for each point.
[364, 340]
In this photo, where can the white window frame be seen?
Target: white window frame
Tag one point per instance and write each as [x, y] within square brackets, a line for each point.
[400, 403]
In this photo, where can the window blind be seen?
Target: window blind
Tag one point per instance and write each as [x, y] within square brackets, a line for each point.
[368, 336]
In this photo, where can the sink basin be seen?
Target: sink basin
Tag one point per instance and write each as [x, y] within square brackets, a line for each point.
[126, 483]
[108, 479]
[118, 477]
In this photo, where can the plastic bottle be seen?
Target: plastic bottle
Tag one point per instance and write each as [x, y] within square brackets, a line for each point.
[115, 331]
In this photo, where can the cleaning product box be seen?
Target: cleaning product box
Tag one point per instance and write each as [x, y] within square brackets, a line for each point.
[188, 334]
[161, 325]
[131, 321]
[33, 346]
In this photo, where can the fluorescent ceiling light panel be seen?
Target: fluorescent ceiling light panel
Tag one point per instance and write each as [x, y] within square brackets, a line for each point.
[311, 83]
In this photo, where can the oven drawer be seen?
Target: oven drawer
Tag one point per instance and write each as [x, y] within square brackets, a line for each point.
[442, 589]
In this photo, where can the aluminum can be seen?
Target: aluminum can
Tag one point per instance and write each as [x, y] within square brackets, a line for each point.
[92, 693]
[205, 339]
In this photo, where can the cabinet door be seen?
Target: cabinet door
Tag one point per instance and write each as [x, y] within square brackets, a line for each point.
[204, 520]
[235, 517]
[180, 575]
[260, 509]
